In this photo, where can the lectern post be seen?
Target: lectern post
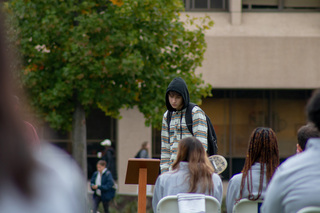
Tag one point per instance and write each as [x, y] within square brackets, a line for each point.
[142, 196]
[142, 171]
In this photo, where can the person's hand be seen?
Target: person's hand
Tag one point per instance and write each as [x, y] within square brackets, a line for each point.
[94, 187]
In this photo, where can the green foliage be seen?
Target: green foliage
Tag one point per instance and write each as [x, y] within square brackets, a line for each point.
[111, 54]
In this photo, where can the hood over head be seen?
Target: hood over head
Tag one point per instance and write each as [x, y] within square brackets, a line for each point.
[180, 86]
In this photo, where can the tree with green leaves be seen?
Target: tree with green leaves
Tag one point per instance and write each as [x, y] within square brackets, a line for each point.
[79, 55]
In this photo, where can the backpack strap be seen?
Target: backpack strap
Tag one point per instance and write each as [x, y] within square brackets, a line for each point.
[189, 121]
[169, 114]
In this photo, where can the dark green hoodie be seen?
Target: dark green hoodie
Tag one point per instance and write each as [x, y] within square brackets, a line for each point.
[178, 85]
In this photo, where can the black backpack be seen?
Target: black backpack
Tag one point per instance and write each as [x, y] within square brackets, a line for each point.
[138, 154]
[212, 148]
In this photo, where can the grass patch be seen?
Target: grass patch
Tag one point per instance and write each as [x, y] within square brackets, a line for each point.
[125, 204]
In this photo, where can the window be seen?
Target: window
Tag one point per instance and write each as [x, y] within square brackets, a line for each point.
[283, 5]
[156, 143]
[205, 5]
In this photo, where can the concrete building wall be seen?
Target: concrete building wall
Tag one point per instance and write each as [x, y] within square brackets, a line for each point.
[131, 133]
[262, 50]
[262, 62]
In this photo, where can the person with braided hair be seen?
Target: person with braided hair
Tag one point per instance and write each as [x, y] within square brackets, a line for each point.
[261, 162]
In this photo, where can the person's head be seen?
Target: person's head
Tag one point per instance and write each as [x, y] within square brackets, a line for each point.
[175, 100]
[177, 95]
[192, 151]
[101, 165]
[263, 149]
[304, 133]
[17, 163]
[145, 145]
[313, 109]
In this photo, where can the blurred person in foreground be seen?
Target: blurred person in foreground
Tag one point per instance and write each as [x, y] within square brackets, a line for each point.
[261, 162]
[296, 183]
[192, 172]
[32, 181]
[29, 130]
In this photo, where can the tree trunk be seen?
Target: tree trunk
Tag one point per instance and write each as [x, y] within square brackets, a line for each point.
[79, 138]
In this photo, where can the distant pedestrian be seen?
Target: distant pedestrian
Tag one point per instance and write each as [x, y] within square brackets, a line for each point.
[103, 186]
[176, 123]
[144, 151]
[109, 156]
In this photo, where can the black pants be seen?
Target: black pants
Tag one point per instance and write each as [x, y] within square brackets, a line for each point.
[96, 201]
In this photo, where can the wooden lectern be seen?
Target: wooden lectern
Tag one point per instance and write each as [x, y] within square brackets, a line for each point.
[142, 171]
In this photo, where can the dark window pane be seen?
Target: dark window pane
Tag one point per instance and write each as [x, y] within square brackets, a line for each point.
[64, 146]
[264, 7]
[156, 143]
[216, 4]
[98, 125]
[302, 4]
[201, 4]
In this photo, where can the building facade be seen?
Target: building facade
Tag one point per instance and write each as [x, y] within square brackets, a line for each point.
[262, 61]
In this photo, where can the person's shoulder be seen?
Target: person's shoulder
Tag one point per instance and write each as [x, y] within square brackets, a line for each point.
[167, 175]
[294, 167]
[107, 173]
[297, 160]
[215, 176]
[197, 109]
[236, 178]
[165, 115]
[94, 173]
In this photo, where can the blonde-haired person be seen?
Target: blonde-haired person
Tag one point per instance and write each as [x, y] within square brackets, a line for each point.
[144, 151]
[191, 172]
[261, 162]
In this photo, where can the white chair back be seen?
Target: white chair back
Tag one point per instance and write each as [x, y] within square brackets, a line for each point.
[310, 209]
[247, 206]
[169, 204]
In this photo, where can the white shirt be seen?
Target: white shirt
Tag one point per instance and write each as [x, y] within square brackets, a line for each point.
[98, 181]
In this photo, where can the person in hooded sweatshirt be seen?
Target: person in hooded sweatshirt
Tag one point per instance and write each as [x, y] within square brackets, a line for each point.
[177, 101]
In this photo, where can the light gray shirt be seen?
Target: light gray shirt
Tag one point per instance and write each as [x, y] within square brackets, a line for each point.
[58, 184]
[144, 153]
[174, 182]
[233, 192]
[296, 184]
